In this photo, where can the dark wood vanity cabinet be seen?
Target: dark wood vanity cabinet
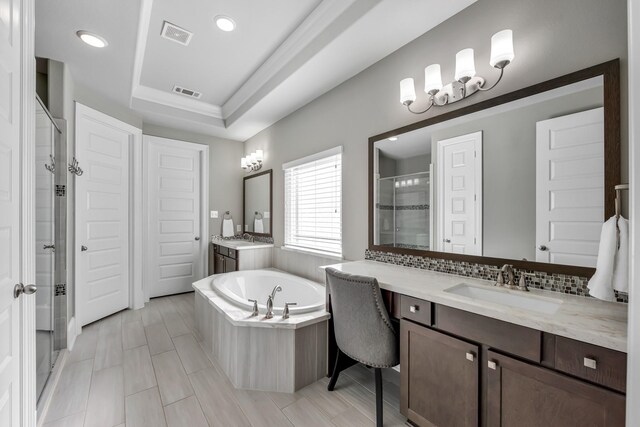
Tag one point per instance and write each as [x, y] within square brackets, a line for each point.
[462, 369]
[439, 377]
[225, 259]
[520, 394]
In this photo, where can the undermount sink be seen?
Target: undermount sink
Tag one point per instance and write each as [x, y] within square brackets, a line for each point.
[514, 299]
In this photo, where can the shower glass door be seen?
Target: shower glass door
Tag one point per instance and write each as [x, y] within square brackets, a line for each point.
[45, 238]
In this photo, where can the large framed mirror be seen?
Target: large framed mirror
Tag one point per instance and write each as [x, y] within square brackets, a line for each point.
[526, 178]
[257, 204]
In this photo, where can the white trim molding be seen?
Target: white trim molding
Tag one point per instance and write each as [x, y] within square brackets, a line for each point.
[312, 157]
[633, 368]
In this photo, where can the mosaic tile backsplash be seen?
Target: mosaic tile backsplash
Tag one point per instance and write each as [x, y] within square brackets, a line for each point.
[574, 285]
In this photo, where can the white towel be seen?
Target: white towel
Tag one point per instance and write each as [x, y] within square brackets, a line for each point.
[609, 259]
[227, 228]
[258, 226]
[621, 268]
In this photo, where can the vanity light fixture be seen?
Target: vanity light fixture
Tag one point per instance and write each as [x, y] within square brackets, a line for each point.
[466, 82]
[92, 39]
[225, 23]
[253, 161]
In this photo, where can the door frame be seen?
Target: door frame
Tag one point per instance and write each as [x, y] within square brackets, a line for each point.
[477, 183]
[204, 198]
[135, 215]
[27, 314]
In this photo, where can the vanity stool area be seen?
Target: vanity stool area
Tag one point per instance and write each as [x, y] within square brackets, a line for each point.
[468, 362]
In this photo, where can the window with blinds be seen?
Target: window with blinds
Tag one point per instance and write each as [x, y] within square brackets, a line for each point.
[313, 203]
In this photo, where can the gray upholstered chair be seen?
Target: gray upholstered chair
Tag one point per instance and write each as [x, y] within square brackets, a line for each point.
[363, 330]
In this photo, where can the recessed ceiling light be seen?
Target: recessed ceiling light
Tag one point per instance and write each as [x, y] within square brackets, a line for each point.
[393, 138]
[92, 39]
[225, 23]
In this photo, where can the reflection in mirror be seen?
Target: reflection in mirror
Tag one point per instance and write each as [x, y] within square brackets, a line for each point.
[257, 203]
[523, 180]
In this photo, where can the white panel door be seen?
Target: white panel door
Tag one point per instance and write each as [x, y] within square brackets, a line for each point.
[174, 197]
[10, 200]
[45, 204]
[460, 194]
[102, 215]
[570, 188]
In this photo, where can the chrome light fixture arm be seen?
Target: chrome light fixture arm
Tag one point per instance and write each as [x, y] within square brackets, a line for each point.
[483, 89]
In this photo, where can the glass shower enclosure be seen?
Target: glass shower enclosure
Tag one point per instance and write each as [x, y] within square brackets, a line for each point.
[403, 211]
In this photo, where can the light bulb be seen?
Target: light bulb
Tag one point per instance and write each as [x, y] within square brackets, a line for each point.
[407, 91]
[502, 49]
[259, 155]
[465, 65]
[243, 162]
[432, 79]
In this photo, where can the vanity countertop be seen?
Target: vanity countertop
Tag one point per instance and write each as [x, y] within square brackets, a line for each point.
[240, 245]
[584, 319]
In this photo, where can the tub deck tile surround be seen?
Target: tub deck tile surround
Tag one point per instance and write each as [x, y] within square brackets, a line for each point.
[213, 398]
[589, 320]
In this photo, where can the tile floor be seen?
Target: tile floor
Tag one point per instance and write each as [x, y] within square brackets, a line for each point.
[147, 368]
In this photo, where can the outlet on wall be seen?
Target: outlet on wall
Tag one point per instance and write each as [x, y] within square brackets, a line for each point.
[214, 214]
[239, 228]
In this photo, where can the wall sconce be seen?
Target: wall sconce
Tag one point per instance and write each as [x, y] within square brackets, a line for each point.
[466, 82]
[253, 161]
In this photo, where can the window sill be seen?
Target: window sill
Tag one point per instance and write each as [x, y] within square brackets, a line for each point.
[313, 252]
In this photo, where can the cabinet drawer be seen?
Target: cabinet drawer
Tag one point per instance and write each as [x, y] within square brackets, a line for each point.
[222, 250]
[232, 253]
[592, 363]
[415, 309]
[513, 339]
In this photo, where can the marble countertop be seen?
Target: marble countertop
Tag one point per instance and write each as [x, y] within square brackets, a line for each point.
[240, 245]
[584, 319]
[240, 317]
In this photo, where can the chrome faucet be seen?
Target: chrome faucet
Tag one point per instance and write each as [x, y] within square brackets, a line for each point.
[508, 269]
[249, 237]
[255, 311]
[270, 298]
[285, 312]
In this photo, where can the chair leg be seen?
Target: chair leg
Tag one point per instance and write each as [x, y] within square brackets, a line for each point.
[335, 373]
[378, 372]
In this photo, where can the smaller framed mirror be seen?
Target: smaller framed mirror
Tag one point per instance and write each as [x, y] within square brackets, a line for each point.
[258, 203]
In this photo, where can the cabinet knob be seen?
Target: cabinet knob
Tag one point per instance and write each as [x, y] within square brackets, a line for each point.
[590, 363]
[492, 365]
[414, 308]
[470, 356]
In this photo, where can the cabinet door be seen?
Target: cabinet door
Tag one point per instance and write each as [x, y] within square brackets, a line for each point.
[219, 264]
[438, 378]
[229, 264]
[524, 395]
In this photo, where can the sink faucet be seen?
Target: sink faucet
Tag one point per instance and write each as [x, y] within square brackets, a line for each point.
[247, 236]
[508, 270]
[270, 298]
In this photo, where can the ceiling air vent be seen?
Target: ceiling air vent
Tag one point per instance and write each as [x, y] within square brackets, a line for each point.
[175, 33]
[187, 92]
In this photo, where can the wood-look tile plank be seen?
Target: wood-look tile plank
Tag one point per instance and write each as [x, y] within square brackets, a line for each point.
[303, 413]
[129, 315]
[282, 400]
[352, 418]
[329, 402]
[192, 357]
[85, 345]
[110, 324]
[366, 378]
[138, 370]
[364, 401]
[109, 350]
[76, 420]
[172, 379]
[175, 324]
[106, 398]
[150, 315]
[144, 409]
[72, 391]
[185, 413]
[133, 334]
[217, 399]
[260, 409]
[158, 338]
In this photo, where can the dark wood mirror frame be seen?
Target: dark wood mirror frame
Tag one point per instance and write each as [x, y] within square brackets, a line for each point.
[244, 194]
[610, 71]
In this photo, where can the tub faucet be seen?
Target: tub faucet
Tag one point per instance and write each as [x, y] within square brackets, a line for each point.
[270, 298]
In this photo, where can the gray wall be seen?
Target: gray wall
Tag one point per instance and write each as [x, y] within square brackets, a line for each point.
[551, 38]
[509, 170]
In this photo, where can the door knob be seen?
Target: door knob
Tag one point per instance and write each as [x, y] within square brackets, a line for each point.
[197, 238]
[83, 248]
[543, 248]
[20, 289]
[447, 240]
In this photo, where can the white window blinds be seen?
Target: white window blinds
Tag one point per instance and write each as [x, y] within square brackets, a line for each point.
[313, 203]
